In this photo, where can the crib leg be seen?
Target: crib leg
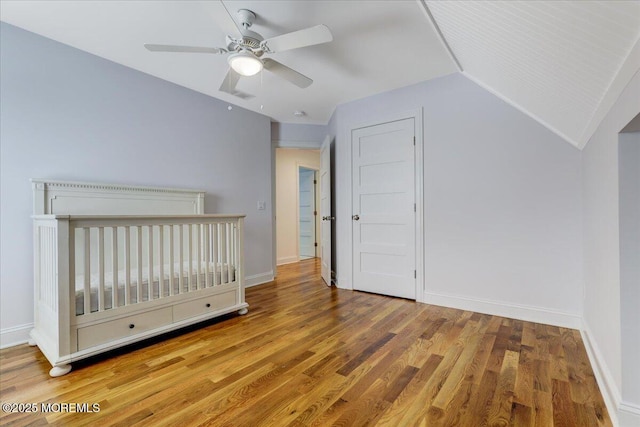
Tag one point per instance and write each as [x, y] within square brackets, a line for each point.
[32, 342]
[243, 311]
[58, 371]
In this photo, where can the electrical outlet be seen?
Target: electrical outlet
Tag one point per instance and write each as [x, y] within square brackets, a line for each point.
[262, 205]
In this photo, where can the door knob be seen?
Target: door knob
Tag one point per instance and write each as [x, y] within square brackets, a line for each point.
[356, 217]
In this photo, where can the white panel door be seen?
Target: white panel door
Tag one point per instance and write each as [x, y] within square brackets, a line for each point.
[384, 241]
[306, 211]
[325, 211]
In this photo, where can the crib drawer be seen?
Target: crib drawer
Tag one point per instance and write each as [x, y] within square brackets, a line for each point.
[204, 305]
[121, 328]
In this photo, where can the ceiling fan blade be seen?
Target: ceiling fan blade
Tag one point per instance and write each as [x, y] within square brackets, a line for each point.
[287, 73]
[307, 37]
[176, 48]
[229, 85]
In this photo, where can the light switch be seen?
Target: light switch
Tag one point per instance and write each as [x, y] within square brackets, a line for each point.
[262, 205]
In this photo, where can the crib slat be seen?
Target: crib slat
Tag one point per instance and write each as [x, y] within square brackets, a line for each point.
[114, 265]
[215, 255]
[223, 249]
[232, 248]
[127, 265]
[150, 277]
[206, 254]
[229, 250]
[161, 261]
[190, 255]
[87, 271]
[232, 251]
[139, 265]
[181, 260]
[199, 254]
[171, 260]
[101, 268]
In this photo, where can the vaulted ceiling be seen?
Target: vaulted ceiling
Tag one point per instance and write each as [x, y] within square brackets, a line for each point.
[562, 62]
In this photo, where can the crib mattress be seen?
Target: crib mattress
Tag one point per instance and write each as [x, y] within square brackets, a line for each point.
[223, 273]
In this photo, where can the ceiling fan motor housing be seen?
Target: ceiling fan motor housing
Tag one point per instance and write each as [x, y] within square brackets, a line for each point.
[250, 39]
[246, 17]
[251, 44]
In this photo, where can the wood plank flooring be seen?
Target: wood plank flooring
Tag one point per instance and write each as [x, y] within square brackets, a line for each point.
[309, 355]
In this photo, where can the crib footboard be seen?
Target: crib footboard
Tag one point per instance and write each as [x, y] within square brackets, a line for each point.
[102, 282]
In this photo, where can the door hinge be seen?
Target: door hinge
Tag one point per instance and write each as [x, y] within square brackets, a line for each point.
[315, 213]
[414, 140]
[315, 182]
[415, 274]
[414, 208]
[315, 244]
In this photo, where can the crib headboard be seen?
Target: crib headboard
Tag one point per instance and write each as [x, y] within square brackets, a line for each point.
[83, 198]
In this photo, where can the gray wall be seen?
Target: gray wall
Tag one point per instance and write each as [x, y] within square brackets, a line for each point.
[70, 115]
[602, 261]
[502, 217]
[629, 163]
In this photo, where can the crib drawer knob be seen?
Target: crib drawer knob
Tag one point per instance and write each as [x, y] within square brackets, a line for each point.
[208, 305]
[131, 326]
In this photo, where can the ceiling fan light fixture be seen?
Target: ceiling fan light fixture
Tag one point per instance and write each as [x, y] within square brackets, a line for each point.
[245, 63]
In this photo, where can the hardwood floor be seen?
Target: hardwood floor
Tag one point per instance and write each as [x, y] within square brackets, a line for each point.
[307, 354]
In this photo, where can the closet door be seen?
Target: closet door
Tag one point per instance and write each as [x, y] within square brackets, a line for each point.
[384, 209]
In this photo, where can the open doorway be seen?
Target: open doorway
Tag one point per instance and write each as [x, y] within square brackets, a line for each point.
[289, 245]
[629, 214]
[307, 213]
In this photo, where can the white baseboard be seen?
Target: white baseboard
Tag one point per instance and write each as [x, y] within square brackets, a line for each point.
[628, 414]
[343, 283]
[608, 388]
[623, 414]
[15, 335]
[515, 311]
[287, 260]
[258, 279]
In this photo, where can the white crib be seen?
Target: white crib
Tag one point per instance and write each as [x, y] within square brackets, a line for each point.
[117, 264]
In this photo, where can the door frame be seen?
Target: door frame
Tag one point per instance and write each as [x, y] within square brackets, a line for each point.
[417, 117]
[316, 224]
[326, 212]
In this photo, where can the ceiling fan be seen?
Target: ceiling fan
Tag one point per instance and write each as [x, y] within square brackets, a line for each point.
[246, 52]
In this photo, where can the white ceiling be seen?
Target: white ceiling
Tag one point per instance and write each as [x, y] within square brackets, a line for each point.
[367, 55]
[561, 62]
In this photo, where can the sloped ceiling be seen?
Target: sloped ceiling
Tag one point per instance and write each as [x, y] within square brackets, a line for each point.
[558, 61]
[562, 62]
